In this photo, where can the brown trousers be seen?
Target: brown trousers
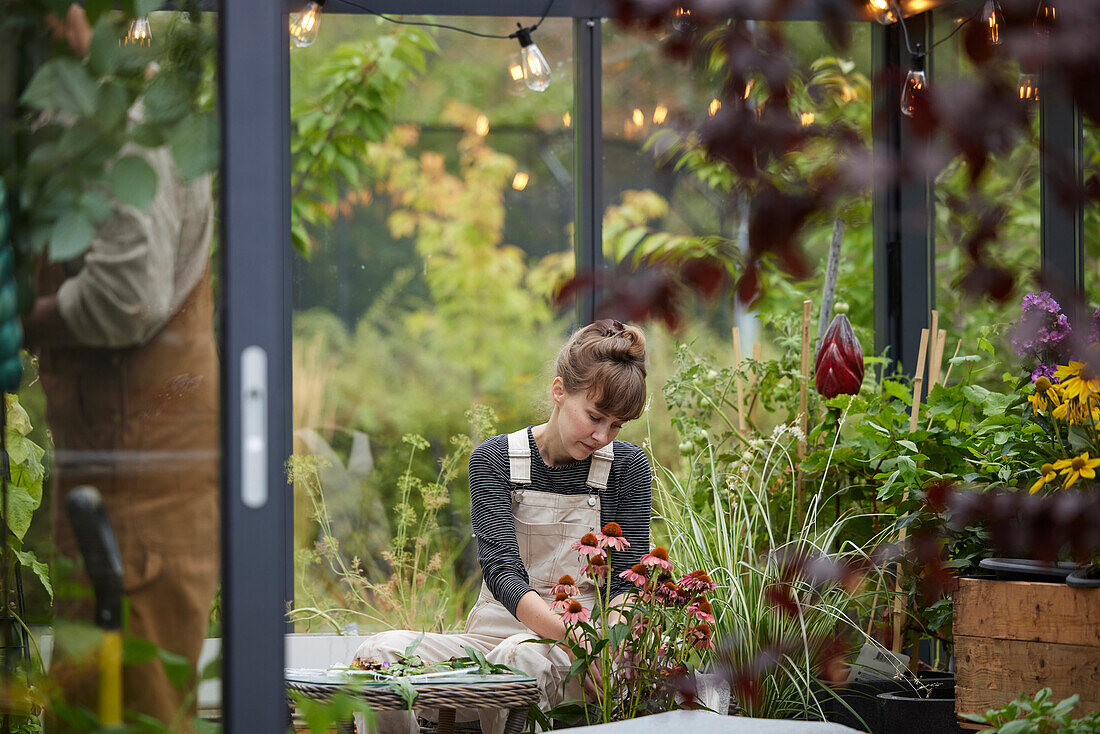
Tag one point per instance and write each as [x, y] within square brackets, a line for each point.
[141, 425]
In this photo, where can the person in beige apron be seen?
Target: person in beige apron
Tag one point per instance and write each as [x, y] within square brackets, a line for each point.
[546, 523]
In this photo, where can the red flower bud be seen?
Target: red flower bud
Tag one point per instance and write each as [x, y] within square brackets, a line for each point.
[838, 368]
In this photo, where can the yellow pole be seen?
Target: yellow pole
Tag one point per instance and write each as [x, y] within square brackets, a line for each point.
[110, 679]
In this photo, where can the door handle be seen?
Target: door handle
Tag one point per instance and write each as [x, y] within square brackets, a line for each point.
[254, 427]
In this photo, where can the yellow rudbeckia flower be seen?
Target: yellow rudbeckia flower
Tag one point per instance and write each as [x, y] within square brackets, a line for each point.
[1077, 467]
[1077, 380]
[1045, 395]
[1048, 474]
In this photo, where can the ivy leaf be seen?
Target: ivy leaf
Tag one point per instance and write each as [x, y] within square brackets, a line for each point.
[30, 561]
[195, 145]
[403, 688]
[62, 85]
[133, 181]
[71, 235]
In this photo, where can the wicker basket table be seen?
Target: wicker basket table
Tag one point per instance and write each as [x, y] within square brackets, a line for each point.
[446, 693]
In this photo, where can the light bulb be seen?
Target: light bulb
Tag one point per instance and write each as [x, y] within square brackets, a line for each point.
[991, 19]
[660, 113]
[1028, 84]
[304, 25]
[882, 11]
[912, 94]
[1045, 17]
[536, 72]
[139, 33]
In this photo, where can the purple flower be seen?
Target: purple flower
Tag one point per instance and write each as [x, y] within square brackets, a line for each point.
[1044, 370]
[1042, 336]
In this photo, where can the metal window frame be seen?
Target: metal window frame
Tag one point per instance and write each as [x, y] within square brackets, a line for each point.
[255, 201]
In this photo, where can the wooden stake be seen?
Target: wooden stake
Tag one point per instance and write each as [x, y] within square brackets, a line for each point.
[933, 330]
[742, 422]
[936, 364]
[757, 356]
[918, 379]
[952, 364]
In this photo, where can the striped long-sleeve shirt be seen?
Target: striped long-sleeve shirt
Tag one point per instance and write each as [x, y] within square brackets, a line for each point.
[625, 501]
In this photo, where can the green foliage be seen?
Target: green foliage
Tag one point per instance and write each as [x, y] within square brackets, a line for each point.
[87, 120]
[1038, 714]
[353, 106]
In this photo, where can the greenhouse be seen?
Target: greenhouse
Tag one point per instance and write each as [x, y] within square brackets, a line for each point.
[527, 365]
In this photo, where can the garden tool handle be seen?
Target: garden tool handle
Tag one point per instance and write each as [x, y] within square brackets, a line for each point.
[103, 562]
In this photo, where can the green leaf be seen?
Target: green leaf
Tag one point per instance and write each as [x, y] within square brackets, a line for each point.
[30, 561]
[137, 650]
[575, 668]
[168, 98]
[195, 145]
[21, 507]
[133, 181]
[1066, 705]
[62, 85]
[405, 690]
[1020, 726]
[144, 7]
[411, 647]
[105, 53]
[111, 105]
[176, 667]
[71, 236]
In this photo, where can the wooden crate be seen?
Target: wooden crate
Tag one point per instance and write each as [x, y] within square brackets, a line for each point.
[1015, 637]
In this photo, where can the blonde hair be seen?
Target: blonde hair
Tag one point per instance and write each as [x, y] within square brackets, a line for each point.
[607, 361]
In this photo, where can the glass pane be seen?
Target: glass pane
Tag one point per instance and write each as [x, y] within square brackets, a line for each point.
[433, 215]
[114, 235]
[1012, 182]
[1091, 216]
[653, 105]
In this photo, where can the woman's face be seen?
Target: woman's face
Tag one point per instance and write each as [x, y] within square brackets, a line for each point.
[582, 428]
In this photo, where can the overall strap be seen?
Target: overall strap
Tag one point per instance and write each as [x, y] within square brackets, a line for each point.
[600, 468]
[519, 458]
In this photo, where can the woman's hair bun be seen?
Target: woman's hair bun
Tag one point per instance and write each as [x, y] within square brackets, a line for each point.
[606, 359]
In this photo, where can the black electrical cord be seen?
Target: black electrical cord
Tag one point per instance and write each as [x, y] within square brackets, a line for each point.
[467, 31]
[917, 54]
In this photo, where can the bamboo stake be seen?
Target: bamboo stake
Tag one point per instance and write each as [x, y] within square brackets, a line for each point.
[804, 393]
[936, 365]
[742, 423]
[933, 330]
[952, 364]
[757, 356]
[918, 380]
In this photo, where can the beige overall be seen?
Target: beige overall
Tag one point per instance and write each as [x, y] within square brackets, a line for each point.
[547, 525]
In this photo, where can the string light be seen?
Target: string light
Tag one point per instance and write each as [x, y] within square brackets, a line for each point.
[638, 117]
[567, 119]
[991, 18]
[515, 69]
[536, 72]
[715, 105]
[660, 112]
[481, 125]
[807, 119]
[139, 33]
[304, 25]
[1028, 85]
[519, 182]
[882, 11]
[916, 85]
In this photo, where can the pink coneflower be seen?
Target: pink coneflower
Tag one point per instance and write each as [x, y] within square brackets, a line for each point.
[702, 611]
[561, 601]
[640, 627]
[588, 546]
[575, 612]
[657, 557]
[597, 567]
[612, 537]
[669, 592]
[701, 636]
[697, 581]
[566, 585]
[636, 574]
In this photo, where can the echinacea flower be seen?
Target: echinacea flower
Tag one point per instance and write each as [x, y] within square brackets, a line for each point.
[597, 568]
[566, 585]
[1077, 467]
[702, 611]
[588, 546]
[657, 557]
[701, 635]
[612, 537]
[636, 574]
[670, 592]
[1047, 474]
[575, 613]
[698, 580]
[561, 601]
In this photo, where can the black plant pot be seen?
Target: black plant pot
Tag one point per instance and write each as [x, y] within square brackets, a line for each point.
[855, 704]
[930, 710]
[930, 676]
[1024, 569]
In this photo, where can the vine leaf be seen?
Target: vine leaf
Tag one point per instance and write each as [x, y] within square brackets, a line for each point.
[133, 181]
